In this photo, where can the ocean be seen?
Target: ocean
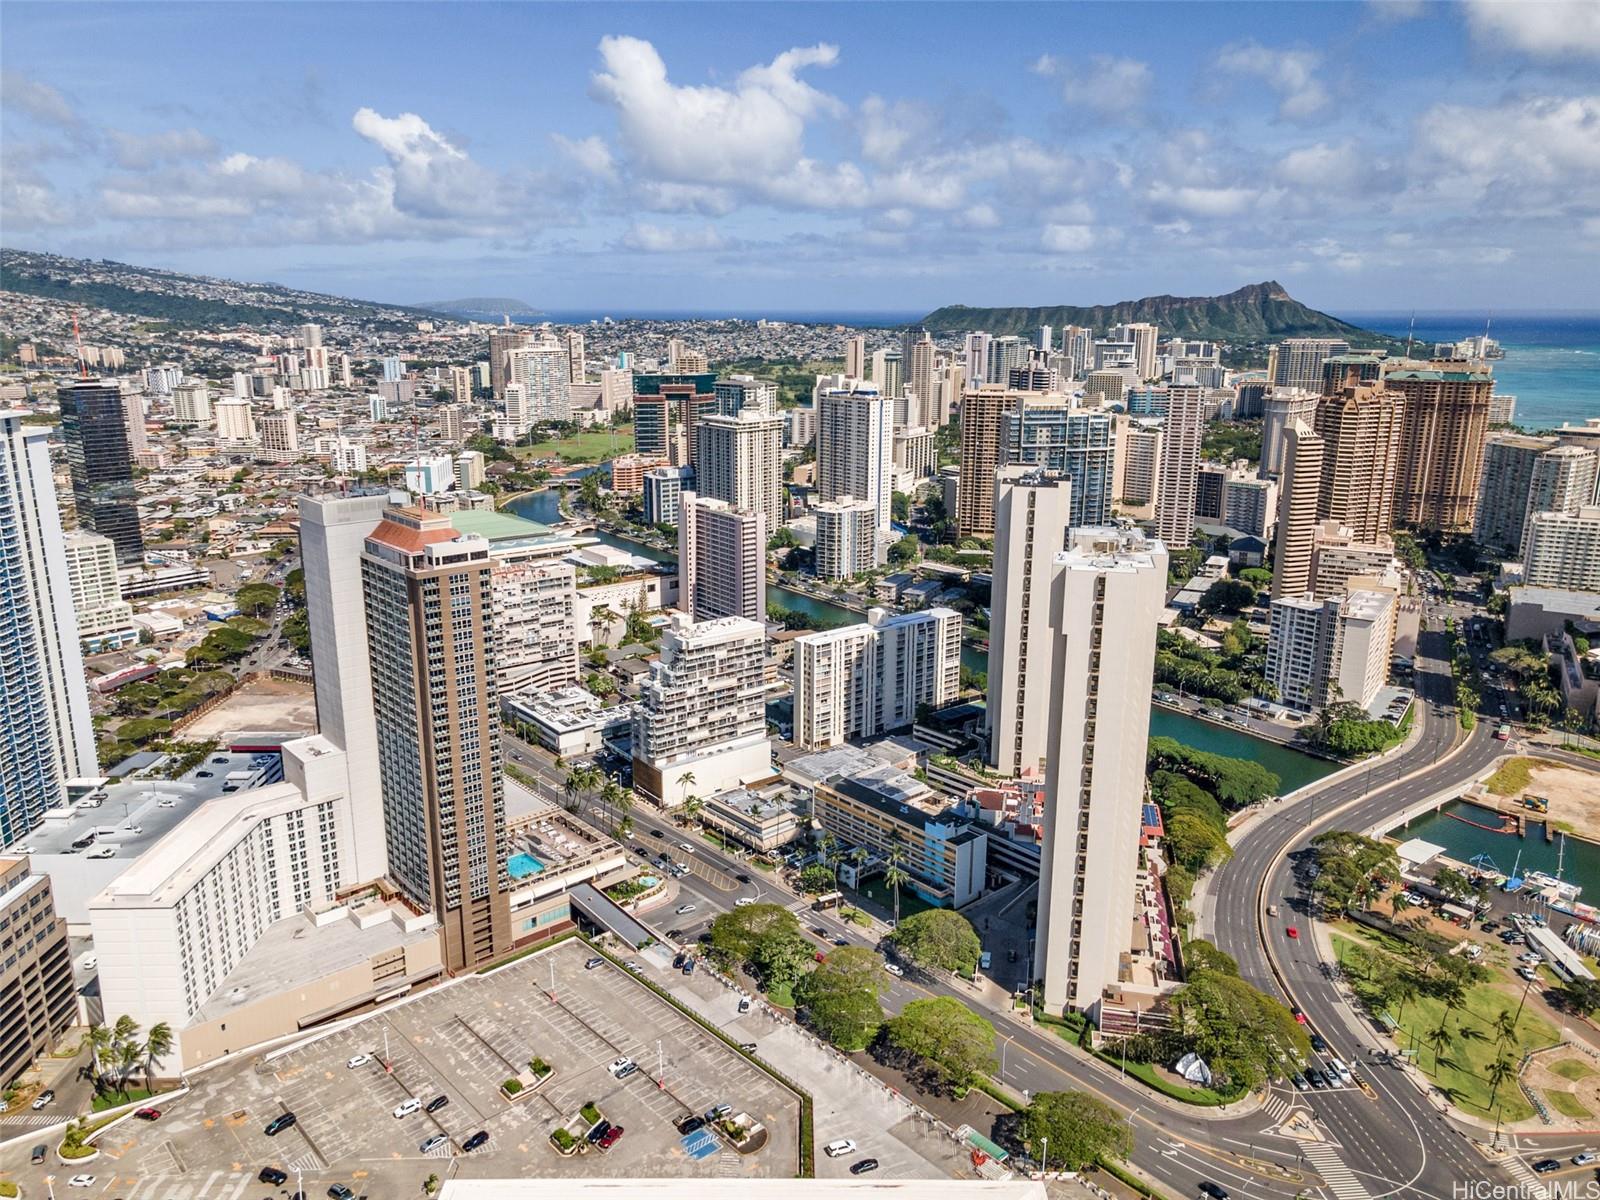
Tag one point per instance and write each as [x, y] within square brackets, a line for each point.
[1552, 362]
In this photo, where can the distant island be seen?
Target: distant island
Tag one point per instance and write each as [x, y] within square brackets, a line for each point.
[1256, 313]
[477, 306]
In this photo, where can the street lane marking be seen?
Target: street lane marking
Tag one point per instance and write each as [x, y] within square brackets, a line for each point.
[1339, 1178]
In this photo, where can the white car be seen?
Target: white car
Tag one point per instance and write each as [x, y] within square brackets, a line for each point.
[88, 962]
[743, 902]
[81, 1181]
[359, 1060]
[685, 908]
[23, 849]
[837, 1149]
[621, 1065]
[1587, 1158]
[1528, 973]
[406, 1107]
[102, 852]
[894, 969]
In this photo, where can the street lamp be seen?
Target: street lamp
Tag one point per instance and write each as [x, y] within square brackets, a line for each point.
[1044, 1156]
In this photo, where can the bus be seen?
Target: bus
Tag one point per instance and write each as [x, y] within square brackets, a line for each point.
[827, 900]
[1503, 733]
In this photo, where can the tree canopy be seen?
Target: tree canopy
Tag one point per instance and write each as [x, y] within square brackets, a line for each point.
[1078, 1129]
[764, 937]
[1353, 869]
[840, 998]
[1243, 1034]
[950, 1042]
[940, 938]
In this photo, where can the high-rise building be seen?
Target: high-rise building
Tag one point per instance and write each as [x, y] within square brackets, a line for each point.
[1322, 652]
[722, 560]
[1441, 459]
[737, 393]
[541, 368]
[855, 448]
[975, 353]
[1357, 367]
[1041, 430]
[1139, 462]
[191, 404]
[739, 460]
[105, 619]
[847, 538]
[1502, 511]
[280, 437]
[652, 426]
[1250, 506]
[1360, 427]
[1033, 511]
[94, 427]
[333, 531]
[864, 680]
[1006, 354]
[915, 451]
[1339, 557]
[450, 423]
[471, 468]
[236, 421]
[663, 493]
[982, 412]
[1210, 480]
[45, 731]
[430, 474]
[38, 1002]
[1144, 337]
[1565, 479]
[1280, 407]
[701, 727]
[429, 598]
[919, 357]
[888, 373]
[1562, 550]
[1297, 362]
[460, 388]
[855, 357]
[502, 340]
[1106, 594]
[535, 625]
[133, 414]
[1180, 458]
[1299, 485]
[577, 364]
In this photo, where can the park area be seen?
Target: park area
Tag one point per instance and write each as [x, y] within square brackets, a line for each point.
[590, 446]
[1470, 1049]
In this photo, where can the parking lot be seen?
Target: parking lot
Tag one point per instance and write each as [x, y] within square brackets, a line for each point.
[462, 1042]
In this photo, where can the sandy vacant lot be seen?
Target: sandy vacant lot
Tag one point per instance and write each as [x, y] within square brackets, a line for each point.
[262, 704]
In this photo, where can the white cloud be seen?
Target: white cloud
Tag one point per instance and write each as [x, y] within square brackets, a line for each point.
[979, 216]
[1068, 239]
[888, 130]
[140, 152]
[663, 239]
[1319, 165]
[1105, 83]
[1202, 201]
[431, 177]
[590, 154]
[40, 101]
[686, 197]
[1540, 28]
[29, 201]
[1292, 74]
[1543, 139]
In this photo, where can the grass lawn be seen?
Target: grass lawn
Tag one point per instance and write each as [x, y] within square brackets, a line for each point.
[1514, 775]
[590, 446]
[1567, 1105]
[1459, 1065]
[114, 1099]
[782, 996]
[1571, 1068]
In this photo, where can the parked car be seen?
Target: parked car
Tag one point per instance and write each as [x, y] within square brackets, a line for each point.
[839, 1148]
[83, 1181]
[476, 1140]
[691, 1124]
[620, 1065]
[406, 1107]
[894, 969]
[688, 964]
[38, 1154]
[273, 1176]
[862, 1167]
[593, 963]
[148, 1114]
[748, 1047]
[340, 1192]
[598, 1132]
[612, 1137]
[1318, 1044]
[717, 1112]
[278, 1124]
[628, 1070]
[437, 1103]
[744, 1005]
[44, 1099]
[432, 1143]
[1545, 1165]
[359, 1060]
[684, 909]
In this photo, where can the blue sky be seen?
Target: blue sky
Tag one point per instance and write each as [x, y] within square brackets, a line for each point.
[819, 156]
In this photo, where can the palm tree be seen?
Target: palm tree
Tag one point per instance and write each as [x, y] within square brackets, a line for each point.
[99, 1039]
[691, 806]
[685, 782]
[157, 1045]
[1500, 1070]
[826, 845]
[895, 876]
[618, 799]
[1505, 1027]
[1439, 1037]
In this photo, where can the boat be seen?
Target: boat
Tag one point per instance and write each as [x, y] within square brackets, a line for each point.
[1552, 887]
[1513, 881]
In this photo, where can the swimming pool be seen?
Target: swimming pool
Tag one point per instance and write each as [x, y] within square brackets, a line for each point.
[520, 866]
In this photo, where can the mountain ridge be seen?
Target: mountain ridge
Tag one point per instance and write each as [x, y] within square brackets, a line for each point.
[1257, 312]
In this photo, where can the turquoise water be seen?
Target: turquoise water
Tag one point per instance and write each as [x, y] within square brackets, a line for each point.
[1580, 862]
[1293, 769]
[520, 866]
[1552, 362]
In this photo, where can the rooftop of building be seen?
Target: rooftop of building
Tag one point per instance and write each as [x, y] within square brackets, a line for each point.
[840, 761]
[310, 946]
[496, 526]
[1559, 600]
[880, 790]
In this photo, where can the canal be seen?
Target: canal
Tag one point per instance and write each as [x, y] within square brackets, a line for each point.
[1579, 862]
[1293, 768]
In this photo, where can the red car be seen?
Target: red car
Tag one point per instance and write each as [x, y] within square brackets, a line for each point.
[1292, 932]
[148, 1114]
[612, 1137]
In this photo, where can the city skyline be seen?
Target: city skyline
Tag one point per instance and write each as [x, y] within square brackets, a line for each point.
[788, 163]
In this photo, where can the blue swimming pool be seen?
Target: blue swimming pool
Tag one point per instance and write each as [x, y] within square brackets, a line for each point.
[520, 866]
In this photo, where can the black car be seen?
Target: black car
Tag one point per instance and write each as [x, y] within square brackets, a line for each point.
[598, 1132]
[476, 1140]
[1215, 1190]
[690, 1124]
[865, 1165]
[38, 1154]
[339, 1192]
[1545, 1165]
[273, 1176]
[742, 878]
[278, 1124]
[1317, 1044]
[657, 833]
[437, 1103]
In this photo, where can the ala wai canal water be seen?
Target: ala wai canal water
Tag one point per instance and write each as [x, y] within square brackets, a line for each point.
[1293, 768]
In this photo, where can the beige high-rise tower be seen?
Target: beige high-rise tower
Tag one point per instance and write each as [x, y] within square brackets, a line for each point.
[1180, 458]
[437, 710]
[1360, 426]
[1441, 442]
[1299, 485]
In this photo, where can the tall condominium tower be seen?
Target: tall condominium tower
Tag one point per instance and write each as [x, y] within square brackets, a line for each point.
[541, 368]
[1033, 510]
[1360, 427]
[105, 619]
[975, 353]
[702, 722]
[855, 357]
[94, 427]
[888, 372]
[1562, 481]
[1441, 457]
[1143, 336]
[863, 680]
[1562, 550]
[1297, 362]
[722, 560]
[502, 340]
[737, 393]
[1299, 485]
[919, 358]
[45, 734]
[1502, 510]
[739, 460]
[847, 538]
[1180, 458]
[1044, 431]
[535, 624]
[1106, 595]
[982, 411]
[430, 638]
[855, 448]
[1278, 408]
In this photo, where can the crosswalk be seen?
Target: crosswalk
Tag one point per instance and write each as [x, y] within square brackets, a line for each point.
[1340, 1179]
[1531, 1184]
[219, 1185]
[28, 1121]
[1277, 1107]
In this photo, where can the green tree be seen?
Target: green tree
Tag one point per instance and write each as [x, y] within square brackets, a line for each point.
[840, 999]
[895, 877]
[1078, 1128]
[764, 937]
[950, 1043]
[1201, 955]
[939, 938]
[256, 599]
[1354, 869]
[1244, 1035]
[1228, 595]
[817, 878]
